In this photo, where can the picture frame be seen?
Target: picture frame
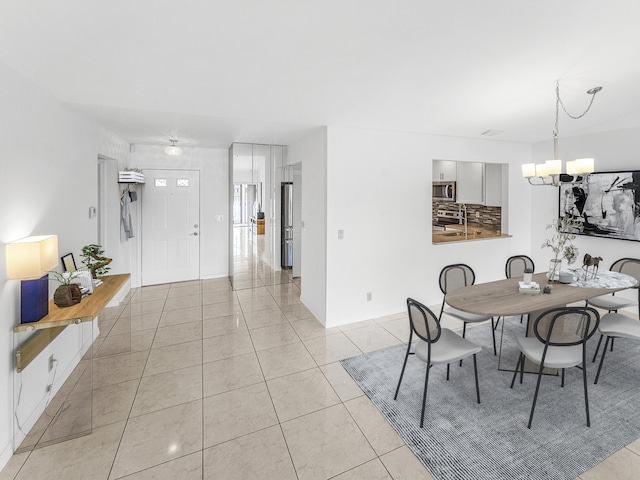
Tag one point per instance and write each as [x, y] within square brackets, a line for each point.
[68, 262]
[606, 204]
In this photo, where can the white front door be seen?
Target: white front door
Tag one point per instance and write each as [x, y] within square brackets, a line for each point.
[170, 226]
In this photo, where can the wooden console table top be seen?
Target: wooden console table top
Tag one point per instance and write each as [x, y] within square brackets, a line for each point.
[89, 308]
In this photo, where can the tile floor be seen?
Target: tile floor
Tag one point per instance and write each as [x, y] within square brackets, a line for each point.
[197, 381]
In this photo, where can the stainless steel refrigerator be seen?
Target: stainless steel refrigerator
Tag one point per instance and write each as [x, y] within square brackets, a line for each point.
[286, 221]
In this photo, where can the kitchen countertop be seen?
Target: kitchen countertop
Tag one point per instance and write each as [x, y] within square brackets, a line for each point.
[455, 233]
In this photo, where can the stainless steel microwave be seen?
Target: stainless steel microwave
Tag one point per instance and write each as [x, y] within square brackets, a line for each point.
[444, 191]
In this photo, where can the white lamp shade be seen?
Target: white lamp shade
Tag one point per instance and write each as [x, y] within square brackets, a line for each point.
[554, 167]
[541, 170]
[572, 168]
[32, 257]
[529, 170]
[584, 165]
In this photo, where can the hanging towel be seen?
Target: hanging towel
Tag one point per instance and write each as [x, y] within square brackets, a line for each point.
[126, 226]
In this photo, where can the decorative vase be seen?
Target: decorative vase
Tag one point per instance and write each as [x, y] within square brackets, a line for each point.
[67, 295]
[555, 265]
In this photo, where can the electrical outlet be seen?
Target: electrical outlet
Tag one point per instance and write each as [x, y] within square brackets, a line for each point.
[340, 234]
[369, 296]
[51, 360]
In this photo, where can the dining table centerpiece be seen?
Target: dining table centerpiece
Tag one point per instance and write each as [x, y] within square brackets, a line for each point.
[565, 230]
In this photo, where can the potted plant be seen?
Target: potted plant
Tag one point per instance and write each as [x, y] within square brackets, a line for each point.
[67, 293]
[93, 257]
[561, 242]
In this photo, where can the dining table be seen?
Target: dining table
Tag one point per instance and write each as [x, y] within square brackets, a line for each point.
[502, 298]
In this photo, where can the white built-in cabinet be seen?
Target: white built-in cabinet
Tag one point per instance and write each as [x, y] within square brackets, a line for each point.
[444, 170]
[493, 184]
[470, 182]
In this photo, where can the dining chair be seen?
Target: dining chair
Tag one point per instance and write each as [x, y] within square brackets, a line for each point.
[435, 346]
[560, 341]
[517, 264]
[455, 276]
[514, 268]
[612, 303]
[616, 325]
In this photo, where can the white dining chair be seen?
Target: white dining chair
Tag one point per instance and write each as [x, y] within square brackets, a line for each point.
[560, 341]
[436, 346]
[614, 325]
[515, 267]
[613, 303]
[457, 276]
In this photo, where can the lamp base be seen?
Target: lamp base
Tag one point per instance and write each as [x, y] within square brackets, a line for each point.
[34, 299]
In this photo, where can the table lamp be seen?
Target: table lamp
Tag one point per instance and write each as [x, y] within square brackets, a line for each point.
[29, 260]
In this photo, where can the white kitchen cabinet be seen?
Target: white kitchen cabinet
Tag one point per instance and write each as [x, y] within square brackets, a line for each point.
[444, 170]
[470, 182]
[493, 184]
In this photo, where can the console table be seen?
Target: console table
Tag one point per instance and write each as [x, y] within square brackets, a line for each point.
[68, 413]
[58, 318]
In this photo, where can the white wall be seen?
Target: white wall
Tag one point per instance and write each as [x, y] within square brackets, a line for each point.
[613, 151]
[213, 164]
[311, 150]
[48, 181]
[379, 193]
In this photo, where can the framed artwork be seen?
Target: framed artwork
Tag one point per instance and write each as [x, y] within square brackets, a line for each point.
[608, 204]
[68, 263]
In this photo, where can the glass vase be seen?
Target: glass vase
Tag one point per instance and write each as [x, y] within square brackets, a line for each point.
[555, 265]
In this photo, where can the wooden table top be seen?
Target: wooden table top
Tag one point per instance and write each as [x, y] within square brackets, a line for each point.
[503, 298]
[86, 310]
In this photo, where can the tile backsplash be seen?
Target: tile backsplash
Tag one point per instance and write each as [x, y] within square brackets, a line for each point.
[490, 217]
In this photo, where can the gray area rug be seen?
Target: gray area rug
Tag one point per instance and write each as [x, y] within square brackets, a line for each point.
[464, 440]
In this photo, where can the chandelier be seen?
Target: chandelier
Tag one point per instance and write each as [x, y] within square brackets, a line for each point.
[550, 172]
[172, 149]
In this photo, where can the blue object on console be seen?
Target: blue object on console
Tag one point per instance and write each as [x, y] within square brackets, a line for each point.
[34, 299]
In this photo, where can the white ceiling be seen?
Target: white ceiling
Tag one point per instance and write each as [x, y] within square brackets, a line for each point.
[217, 71]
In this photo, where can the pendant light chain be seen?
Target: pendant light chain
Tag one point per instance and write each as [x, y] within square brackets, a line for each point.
[559, 103]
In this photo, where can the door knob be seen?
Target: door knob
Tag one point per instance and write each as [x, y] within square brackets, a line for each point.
[195, 226]
[195, 234]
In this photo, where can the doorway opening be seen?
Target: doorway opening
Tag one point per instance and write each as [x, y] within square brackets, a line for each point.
[256, 174]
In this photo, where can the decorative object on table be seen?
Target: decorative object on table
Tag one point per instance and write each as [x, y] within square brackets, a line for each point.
[560, 242]
[565, 276]
[550, 172]
[527, 277]
[529, 287]
[606, 203]
[589, 261]
[547, 289]
[93, 257]
[67, 293]
[68, 263]
[29, 260]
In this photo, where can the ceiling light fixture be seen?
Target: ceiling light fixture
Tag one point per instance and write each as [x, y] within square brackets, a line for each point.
[550, 172]
[172, 149]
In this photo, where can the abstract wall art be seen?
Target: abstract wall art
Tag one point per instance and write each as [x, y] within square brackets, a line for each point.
[608, 204]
